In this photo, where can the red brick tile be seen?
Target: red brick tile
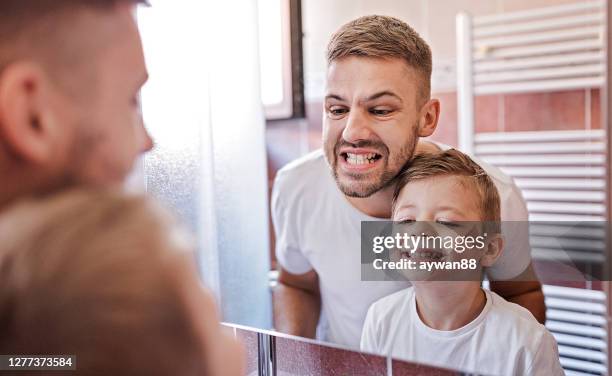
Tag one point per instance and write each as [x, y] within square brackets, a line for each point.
[555, 273]
[447, 124]
[486, 113]
[595, 109]
[302, 358]
[401, 368]
[544, 111]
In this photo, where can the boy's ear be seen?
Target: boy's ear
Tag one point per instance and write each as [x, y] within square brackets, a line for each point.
[493, 250]
[430, 113]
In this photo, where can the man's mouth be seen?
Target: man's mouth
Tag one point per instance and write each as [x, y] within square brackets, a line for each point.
[360, 159]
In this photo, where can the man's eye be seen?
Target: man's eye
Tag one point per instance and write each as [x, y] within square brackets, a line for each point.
[335, 111]
[380, 112]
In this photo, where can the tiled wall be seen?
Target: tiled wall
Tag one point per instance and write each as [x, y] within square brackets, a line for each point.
[302, 358]
[298, 357]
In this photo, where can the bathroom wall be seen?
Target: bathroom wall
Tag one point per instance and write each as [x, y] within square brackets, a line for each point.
[435, 21]
[294, 356]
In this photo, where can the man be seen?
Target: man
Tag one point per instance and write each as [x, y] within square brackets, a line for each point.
[377, 106]
[70, 76]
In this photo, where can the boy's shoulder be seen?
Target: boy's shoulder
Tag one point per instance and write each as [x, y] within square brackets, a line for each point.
[393, 305]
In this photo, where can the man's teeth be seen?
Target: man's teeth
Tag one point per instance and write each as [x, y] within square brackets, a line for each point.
[359, 159]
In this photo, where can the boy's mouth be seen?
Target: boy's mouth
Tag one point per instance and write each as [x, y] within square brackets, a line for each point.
[424, 254]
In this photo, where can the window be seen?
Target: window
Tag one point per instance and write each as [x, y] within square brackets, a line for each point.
[280, 48]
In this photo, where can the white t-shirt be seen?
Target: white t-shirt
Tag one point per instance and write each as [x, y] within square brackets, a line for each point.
[317, 228]
[505, 339]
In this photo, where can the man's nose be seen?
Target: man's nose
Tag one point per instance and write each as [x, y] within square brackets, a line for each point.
[356, 128]
[147, 143]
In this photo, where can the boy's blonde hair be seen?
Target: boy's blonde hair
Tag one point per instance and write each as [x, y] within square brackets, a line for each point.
[453, 163]
[384, 37]
[96, 275]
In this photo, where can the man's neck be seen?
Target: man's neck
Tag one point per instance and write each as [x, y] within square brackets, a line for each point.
[446, 305]
[17, 183]
[377, 205]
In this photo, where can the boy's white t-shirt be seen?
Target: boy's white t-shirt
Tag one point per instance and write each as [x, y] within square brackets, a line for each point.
[505, 339]
[317, 229]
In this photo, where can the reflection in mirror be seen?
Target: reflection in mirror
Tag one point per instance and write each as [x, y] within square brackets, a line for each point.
[515, 86]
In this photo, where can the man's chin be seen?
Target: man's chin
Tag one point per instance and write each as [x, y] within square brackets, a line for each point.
[358, 190]
[362, 186]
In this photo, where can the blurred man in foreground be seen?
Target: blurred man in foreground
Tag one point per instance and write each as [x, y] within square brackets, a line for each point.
[70, 77]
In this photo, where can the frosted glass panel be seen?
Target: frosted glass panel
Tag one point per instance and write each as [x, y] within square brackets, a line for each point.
[209, 160]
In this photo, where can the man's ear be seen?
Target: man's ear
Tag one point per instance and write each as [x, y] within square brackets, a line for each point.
[428, 121]
[494, 248]
[26, 123]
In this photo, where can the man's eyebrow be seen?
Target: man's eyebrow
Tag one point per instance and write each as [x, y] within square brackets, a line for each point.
[334, 96]
[383, 94]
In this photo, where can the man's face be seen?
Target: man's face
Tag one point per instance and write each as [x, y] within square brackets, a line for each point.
[371, 121]
[108, 128]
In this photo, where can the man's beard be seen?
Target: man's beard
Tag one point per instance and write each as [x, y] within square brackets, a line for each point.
[365, 185]
[80, 153]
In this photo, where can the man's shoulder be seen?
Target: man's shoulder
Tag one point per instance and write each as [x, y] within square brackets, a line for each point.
[302, 170]
[495, 173]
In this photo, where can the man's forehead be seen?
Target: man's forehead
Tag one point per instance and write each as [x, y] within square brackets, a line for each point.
[366, 77]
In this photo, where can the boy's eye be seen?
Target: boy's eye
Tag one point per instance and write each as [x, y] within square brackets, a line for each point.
[448, 223]
[405, 221]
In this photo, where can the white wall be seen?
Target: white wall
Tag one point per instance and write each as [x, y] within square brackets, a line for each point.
[433, 19]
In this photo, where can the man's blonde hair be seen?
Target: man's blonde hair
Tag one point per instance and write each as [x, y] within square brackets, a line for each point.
[384, 37]
[453, 163]
[96, 275]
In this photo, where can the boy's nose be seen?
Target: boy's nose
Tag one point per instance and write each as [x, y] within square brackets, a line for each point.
[424, 227]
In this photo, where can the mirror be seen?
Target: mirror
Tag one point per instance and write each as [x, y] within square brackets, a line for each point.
[520, 86]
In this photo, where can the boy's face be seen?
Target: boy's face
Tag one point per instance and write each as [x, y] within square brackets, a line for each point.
[444, 207]
[438, 199]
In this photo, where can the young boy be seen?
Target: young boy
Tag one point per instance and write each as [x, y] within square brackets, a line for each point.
[455, 324]
[110, 279]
